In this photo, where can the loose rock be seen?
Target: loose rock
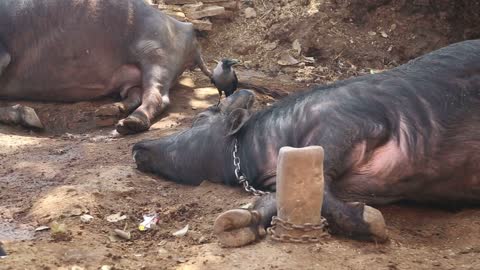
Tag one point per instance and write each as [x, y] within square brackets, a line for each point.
[271, 46]
[86, 218]
[116, 217]
[250, 13]
[206, 12]
[287, 60]
[297, 46]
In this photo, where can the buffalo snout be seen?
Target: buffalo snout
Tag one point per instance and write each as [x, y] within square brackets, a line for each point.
[143, 157]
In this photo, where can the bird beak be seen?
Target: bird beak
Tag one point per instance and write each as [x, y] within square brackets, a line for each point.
[234, 62]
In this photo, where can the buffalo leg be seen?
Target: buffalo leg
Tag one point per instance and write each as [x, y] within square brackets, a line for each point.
[239, 227]
[20, 115]
[355, 220]
[154, 101]
[4, 58]
[132, 100]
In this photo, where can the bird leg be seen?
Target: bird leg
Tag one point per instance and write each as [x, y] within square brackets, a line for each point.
[219, 97]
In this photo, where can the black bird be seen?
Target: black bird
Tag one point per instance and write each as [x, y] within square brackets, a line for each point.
[224, 77]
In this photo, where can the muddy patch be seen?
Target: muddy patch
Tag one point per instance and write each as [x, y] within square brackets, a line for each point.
[15, 232]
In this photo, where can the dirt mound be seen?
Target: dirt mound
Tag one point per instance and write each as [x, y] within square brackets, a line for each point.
[325, 40]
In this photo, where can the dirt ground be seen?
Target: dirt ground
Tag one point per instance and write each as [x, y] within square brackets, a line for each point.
[76, 168]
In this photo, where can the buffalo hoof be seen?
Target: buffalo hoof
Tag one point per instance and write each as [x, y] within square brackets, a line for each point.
[376, 222]
[238, 227]
[132, 125]
[28, 117]
[110, 110]
[109, 114]
[369, 226]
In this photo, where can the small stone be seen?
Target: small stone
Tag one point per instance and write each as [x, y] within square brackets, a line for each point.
[181, 260]
[271, 46]
[247, 206]
[76, 212]
[202, 240]
[393, 27]
[287, 60]
[162, 251]
[191, 7]
[162, 243]
[202, 25]
[297, 46]
[86, 218]
[309, 59]
[250, 13]
[176, 15]
[106, 267]
[384, 34]
[206, 12]
[116, 217]
[244, 48]
[372, 33]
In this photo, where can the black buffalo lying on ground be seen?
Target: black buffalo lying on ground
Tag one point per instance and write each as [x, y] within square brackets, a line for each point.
[410, 133]
[59, 50]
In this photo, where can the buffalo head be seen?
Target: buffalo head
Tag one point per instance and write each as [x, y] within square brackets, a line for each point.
[201, 152]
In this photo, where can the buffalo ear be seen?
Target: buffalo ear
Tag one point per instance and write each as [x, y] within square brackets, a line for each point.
[236, 119]
[241, 99]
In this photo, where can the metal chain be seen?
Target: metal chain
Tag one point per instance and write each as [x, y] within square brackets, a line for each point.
[240, 177]
[288, 238]
[307, 227]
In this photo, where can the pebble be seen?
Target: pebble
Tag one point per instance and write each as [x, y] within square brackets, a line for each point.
[250, 13]
[86, 218]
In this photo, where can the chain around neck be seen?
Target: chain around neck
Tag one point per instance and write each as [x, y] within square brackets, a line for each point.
[240, 177]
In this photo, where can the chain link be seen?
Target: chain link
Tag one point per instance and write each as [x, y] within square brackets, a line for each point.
[304, 239]
[307, 227]
[240, 177]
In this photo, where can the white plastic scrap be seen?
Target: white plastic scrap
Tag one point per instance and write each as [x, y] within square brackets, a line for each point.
[148, 221]
[181, 232]
[42, 228]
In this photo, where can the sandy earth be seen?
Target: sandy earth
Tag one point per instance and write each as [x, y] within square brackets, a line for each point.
[53, 178]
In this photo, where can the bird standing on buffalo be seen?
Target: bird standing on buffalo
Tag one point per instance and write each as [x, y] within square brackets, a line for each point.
[224, 77]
